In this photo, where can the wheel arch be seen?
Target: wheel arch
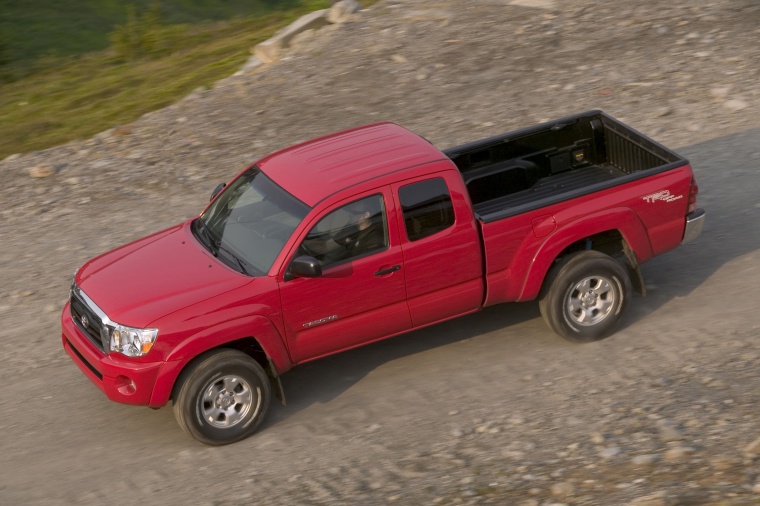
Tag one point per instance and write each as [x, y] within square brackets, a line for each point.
[617, 232]
[255, 336]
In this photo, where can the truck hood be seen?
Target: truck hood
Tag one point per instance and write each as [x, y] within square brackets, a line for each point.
[152, 277]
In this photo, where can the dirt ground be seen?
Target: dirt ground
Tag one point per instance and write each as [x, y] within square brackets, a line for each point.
[488, 409]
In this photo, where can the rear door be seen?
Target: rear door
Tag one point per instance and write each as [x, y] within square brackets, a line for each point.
[441, 247]
[361, 294]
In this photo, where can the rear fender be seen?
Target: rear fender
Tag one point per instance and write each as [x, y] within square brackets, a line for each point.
[621, 219]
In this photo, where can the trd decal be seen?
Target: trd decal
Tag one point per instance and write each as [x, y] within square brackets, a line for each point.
[664, 195]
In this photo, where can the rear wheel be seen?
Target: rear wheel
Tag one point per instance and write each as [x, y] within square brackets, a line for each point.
[222, 397]
[585, 296]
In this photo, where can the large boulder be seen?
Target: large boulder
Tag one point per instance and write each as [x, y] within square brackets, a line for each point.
[340, 12]
[272, 50]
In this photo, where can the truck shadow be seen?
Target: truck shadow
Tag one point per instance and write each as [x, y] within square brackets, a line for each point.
[323, 380]
[728, 176]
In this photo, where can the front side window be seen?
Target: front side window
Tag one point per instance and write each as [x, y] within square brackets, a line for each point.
[248, 224]
[427, 208]
[351, 231]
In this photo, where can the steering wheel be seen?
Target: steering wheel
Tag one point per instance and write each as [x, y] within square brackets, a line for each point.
[346, 235]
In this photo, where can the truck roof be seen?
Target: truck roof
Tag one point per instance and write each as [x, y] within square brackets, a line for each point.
[318, 168]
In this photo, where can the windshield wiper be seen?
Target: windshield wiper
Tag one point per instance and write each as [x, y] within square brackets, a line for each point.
[235, 258]
[213, 246]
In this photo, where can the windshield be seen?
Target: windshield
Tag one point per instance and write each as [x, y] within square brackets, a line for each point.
[248, 224]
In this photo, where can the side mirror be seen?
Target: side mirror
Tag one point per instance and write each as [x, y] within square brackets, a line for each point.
[304, 267]
[216, 191]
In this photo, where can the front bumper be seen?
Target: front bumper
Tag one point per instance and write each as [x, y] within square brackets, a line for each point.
[695, 222]
[121, 379]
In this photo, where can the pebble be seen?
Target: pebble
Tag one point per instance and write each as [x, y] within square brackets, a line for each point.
[722, 463]
[735, 104]
[663, 111]
[562, 489]
[122, 130]
[669, 431]
[655, 499]
[677, 454]
[721, 92]
[645, 460]
[753, 448]
[41, 171]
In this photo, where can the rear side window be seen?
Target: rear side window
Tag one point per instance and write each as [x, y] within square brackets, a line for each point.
[427, 208]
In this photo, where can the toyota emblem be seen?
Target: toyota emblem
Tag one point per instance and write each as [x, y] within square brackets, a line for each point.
[85, 321]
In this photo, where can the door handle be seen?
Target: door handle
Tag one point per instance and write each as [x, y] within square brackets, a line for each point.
[389, 270]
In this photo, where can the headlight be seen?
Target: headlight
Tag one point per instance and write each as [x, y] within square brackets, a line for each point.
[73, 282]
[132, 342]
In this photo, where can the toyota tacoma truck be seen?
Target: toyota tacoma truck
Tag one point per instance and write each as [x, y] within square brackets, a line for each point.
[366, 234]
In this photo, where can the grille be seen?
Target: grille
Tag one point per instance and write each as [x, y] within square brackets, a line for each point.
[86, 320]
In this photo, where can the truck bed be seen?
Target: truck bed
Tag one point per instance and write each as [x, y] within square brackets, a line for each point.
[563, 159]
[550, 186]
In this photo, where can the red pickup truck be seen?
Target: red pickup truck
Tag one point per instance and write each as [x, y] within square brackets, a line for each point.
[363, 235]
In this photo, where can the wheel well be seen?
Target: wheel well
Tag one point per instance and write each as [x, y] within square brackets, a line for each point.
[251, 347]
[248, 345]
[610, 242]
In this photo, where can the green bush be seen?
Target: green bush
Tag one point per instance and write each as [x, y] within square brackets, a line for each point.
[142, 35]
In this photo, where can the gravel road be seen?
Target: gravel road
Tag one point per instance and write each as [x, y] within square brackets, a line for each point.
[488, 409]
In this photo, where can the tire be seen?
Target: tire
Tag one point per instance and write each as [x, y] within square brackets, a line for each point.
[221, 397]
[585, 296]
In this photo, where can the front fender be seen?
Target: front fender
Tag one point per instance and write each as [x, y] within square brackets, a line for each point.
[258, 327]
[622, 219]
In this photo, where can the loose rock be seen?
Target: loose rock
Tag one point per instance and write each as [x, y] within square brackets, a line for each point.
[41, 171]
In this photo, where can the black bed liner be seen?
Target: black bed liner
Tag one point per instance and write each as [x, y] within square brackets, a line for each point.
[547, 187]
[556, 161]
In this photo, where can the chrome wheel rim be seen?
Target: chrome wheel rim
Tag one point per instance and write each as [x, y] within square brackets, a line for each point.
[590, 301]
[226, 401]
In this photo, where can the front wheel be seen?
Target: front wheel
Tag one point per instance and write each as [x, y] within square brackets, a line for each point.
[221, 397]
[585, 296]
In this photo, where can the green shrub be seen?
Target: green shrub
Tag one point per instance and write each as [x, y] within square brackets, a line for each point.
[144, 35]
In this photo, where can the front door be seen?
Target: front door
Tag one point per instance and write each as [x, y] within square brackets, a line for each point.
[360, 296]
